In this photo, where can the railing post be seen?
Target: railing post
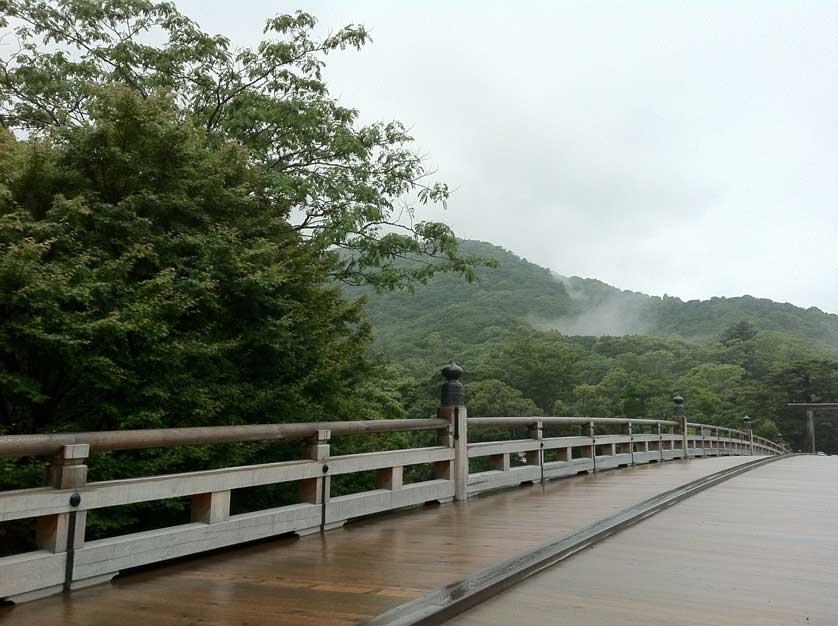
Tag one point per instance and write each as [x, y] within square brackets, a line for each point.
[679, 414]
[66, 471]
[536, 457]
[317, 490]
[452, 407]
[631, 441]
[660, 441]
[592, 434]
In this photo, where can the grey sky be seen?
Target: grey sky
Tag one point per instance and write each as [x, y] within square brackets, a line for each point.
[688, 148]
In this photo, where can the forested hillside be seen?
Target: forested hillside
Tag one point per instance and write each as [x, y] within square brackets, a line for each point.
[532, 341]
[519, 293]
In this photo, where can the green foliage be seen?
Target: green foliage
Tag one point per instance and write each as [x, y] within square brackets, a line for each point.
[502, 329]
[172, 215]
[158, 284]
[339, 185]
[741, 331]
[493, 398]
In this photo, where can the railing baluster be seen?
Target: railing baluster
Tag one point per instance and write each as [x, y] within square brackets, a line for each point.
[211, 508]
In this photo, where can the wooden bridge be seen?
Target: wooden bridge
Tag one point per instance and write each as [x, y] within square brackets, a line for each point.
[751, 540]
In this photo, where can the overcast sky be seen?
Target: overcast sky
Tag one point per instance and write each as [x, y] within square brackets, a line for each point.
[688, 148]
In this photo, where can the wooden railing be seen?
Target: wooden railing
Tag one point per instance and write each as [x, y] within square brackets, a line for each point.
[643, 441]
[64, 560]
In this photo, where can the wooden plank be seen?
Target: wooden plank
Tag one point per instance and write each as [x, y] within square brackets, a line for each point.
[389, 458]
[441, 605]
[551, 443]
[37, 502]
[484, 481]
[45, 501]
[20, 573]
[42, 445]
[557, 469]
[602, 439]
[153, 546]
[373, 564]
[490, 448]
[611, 461]
[761, 550]
[366, 503]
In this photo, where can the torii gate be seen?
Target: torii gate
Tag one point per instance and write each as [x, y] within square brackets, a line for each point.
[811, 407]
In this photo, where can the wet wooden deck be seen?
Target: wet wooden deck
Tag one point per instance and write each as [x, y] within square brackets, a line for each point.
[761, 548]
[371, 566]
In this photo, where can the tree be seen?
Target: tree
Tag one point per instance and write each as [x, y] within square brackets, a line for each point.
[540, 366]
[170, 221]
[338, 185]
[145, 283]
[590, 401]
[739, 332]
[493, 398]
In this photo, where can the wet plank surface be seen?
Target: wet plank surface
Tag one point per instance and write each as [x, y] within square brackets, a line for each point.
[761, 548]
[366, 568]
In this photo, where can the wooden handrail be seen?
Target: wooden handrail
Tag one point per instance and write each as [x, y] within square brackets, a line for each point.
[491, 422]
[718, 428]
[49, 444]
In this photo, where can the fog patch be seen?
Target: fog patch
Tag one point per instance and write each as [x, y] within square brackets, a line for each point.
[599, 310]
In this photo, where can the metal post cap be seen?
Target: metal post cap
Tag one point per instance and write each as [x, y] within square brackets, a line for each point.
[680, 410]
[453, 392]
[452, 371]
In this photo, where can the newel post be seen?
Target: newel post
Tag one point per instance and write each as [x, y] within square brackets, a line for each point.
[750, 426]
[679, 414]
[318, 490]
[452, 407]
[66, 471]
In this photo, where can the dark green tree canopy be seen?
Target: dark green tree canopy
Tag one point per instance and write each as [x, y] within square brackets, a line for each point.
[146, 281]
[741, 331]
[493, 398]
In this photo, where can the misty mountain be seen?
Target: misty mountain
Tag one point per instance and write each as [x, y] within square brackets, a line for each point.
[520, 295]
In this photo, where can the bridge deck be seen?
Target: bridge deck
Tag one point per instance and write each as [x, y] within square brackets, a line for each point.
[365, 569]
[762, 549]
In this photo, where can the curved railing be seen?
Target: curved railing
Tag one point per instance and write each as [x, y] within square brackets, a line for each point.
[538, 457]
[65, 559]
